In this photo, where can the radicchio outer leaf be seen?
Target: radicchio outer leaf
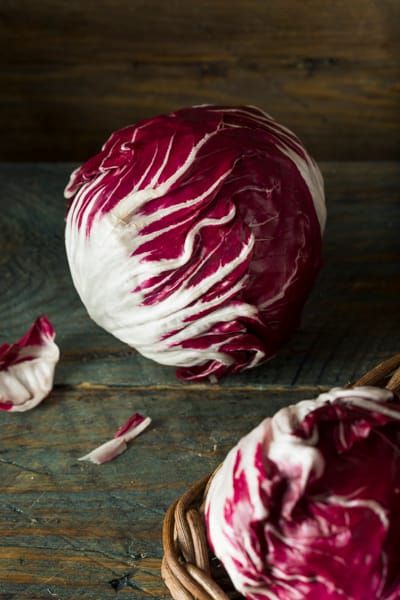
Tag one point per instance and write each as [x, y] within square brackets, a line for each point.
[133, 427]
[27, 367]
[195, 237]
[307, 505]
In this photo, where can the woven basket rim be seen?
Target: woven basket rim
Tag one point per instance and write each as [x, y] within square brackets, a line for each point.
[188, 568]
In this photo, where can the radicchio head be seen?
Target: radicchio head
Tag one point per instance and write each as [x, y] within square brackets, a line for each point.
[195, 237]
[307, 505]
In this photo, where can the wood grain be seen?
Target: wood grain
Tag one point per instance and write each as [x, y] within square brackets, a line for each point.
[67, 528]
[71, 530]
[350, 323]
[71, 72]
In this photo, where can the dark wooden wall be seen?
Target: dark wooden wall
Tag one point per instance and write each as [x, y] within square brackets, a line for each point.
[73, 70]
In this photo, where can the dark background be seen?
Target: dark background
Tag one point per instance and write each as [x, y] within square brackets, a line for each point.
[71, 71]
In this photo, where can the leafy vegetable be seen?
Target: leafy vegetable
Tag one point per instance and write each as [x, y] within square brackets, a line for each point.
[195, 237]
[27, 367]
[307, 504]
[113, 448]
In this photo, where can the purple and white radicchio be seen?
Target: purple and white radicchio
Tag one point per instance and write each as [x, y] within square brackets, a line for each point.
[133, 427]
[27, 367]
[307, 505]
[195, 237]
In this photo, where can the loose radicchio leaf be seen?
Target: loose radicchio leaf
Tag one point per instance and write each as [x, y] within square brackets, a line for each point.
[113, 448]
[307, 505]
[195, 237]
[27, 367]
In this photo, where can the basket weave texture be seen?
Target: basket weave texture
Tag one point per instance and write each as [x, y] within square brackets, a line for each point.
[189, 569]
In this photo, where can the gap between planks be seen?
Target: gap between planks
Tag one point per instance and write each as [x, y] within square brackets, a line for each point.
[96, 387]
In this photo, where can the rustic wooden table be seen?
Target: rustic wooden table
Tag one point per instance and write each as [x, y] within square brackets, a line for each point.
[70, 530]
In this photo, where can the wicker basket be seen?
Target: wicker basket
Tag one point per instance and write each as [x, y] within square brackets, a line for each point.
[188, 568]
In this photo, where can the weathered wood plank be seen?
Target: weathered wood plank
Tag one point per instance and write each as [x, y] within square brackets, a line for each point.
[350, 323]
[70, 74]
[68, 528]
